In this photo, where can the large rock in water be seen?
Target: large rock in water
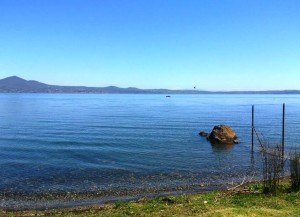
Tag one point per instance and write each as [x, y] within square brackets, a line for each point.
[223, 134]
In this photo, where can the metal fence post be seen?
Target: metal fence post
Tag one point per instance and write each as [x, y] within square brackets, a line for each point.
[283, 129]
[252, 147]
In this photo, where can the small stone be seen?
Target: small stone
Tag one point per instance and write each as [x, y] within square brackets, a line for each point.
[203, 134]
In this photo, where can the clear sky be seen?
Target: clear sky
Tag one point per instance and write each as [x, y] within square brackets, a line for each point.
[211, 44]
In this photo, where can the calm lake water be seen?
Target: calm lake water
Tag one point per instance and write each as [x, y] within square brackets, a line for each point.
[63, 149]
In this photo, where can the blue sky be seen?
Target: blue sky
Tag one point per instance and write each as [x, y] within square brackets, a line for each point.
[211, 44]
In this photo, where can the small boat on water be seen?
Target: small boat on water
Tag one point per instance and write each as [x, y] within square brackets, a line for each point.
[168, 96]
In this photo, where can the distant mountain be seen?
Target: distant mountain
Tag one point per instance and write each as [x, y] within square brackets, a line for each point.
[15, 84]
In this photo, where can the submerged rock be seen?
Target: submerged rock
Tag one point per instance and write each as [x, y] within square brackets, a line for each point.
[223, 134]
[203, 134]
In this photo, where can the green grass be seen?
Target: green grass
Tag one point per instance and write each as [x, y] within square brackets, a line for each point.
[239, 203]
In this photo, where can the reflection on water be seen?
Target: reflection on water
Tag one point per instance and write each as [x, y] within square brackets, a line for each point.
[221, 147]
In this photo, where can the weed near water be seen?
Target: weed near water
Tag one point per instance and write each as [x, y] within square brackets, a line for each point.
[295, 170]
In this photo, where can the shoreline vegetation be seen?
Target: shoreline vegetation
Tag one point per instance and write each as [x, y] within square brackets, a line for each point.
[244, 200]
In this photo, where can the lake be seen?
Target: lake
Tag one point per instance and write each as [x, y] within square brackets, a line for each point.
[66, 149]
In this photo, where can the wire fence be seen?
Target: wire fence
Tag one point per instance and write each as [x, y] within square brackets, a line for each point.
[272, 125]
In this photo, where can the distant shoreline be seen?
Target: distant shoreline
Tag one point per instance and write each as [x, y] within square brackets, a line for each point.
[148, 93]
[15, 84]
